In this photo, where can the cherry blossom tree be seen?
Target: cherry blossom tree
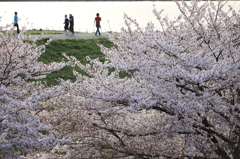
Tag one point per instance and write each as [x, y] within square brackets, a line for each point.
[180, 101]
[105, 130]
[21, 130]
[184, 89]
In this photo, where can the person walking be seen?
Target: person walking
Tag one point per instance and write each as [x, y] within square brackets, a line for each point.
[16, 22]
[66, 22]
[97, 20]
[71, 20]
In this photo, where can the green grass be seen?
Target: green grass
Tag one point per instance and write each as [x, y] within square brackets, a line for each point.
[80, 48]
[35, 32]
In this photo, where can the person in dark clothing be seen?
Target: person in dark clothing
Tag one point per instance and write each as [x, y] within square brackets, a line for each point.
[16, 22]
[66, 22]
[97, 20]
[71, 20]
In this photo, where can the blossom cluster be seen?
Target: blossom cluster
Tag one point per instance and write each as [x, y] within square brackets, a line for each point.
[186, 69]
[21, 130]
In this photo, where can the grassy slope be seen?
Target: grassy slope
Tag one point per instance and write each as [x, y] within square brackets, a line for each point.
[80, 48]
[34, 32]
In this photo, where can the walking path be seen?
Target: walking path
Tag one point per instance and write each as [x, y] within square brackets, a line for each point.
[75, 36]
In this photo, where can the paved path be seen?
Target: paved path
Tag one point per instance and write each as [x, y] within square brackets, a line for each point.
[75, 36]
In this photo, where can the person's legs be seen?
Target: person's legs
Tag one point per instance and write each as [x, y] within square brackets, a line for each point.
[66, 29]
[17, 28]
[97, 31]
[70, 28]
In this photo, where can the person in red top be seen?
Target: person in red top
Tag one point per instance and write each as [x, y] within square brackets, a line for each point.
[97, 20]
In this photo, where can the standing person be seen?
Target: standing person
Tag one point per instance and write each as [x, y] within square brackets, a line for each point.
[71, 20]
[16, 22]
[97, 20]
[66, 22]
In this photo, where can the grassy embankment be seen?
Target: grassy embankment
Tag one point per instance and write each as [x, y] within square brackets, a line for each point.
[35, 32]
[80, 48]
